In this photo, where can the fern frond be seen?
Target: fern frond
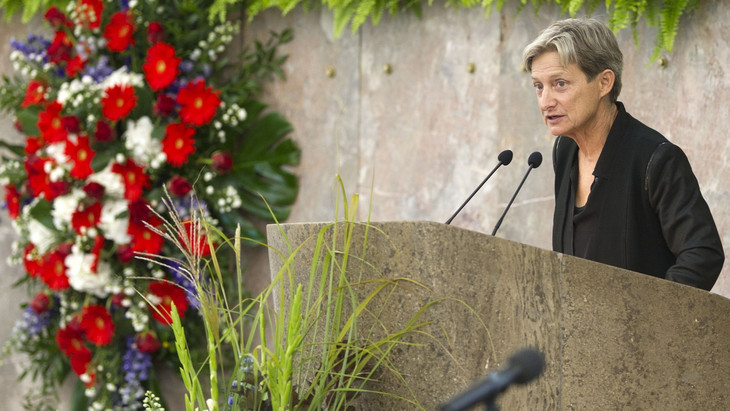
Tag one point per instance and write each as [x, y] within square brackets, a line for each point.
[669, 23]
[364, 9]
[574, 6]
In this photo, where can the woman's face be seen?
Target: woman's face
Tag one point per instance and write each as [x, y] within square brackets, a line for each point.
[567, 101]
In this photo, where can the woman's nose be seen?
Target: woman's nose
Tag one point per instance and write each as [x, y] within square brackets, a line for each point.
[545, 100]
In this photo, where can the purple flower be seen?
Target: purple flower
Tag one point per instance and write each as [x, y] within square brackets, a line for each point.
[35, 46]
[101, 70]
[135, 366]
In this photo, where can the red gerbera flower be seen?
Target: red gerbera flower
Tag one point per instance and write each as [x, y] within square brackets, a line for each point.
[53, 272]
[89, 12]
[40, 182]
[74, 65]
[33, 144]
[97, 324]
[168, 293]
[144, 240]
[70, 339]
[199, 103]
[50, 123]
[119, 32]
[118, 101]
[31, 261]
[161, 66]
[81, 154]
[178, 143]
[35, 93]
[80, 362]
[135, 179]
[12, 199]
[86, 218]
[60, 49]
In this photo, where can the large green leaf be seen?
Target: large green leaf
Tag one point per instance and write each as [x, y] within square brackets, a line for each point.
[41, 211]
[267, 189]
[266, 132]
[29, 120]
[16, 149]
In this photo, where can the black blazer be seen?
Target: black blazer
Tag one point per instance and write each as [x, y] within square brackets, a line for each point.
[651, 216]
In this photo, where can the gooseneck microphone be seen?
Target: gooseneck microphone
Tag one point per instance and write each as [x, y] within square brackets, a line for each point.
[504, 158]
[533, 161]
[522, 367]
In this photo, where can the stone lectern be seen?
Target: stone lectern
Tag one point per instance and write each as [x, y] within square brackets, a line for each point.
[612, 338]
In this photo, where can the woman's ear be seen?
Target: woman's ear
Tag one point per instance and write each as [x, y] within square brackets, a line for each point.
[606, 78]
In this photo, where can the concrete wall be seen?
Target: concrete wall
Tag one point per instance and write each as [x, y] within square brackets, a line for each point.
[417, 141]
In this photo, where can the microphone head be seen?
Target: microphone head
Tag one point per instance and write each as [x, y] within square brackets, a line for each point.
[535, 159]
[505, 157]
[529, 362]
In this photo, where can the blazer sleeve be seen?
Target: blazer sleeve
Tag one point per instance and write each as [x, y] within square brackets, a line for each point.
[687, 224]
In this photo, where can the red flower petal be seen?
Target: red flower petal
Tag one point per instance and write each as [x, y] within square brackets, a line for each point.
[119, 32]
[199, 103]
[178, 143]
[118, 101]
[161, 66]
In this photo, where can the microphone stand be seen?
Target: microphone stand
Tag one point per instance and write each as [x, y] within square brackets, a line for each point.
[505, 157]
[534, 162]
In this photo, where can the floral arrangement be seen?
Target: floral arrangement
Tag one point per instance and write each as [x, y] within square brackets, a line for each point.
[128, 99]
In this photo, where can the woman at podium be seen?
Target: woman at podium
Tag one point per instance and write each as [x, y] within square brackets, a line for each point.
[624, 194]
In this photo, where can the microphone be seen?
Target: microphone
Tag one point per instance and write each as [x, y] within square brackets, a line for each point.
[522, 367]
[504, 158]
[533, 161]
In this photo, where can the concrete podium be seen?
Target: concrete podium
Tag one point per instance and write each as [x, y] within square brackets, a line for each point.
[612, 338]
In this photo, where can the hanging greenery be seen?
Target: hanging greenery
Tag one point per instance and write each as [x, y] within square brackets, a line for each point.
[664, 14]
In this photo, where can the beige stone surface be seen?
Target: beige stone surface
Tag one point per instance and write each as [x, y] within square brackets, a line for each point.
[612, 339]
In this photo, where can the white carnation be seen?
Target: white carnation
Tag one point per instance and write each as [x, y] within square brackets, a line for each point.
[123, 77]
[139, 141]
[112, 182]
[81, 278]
[114, 225]
[64, 207]
[40, 235]
[56, 152]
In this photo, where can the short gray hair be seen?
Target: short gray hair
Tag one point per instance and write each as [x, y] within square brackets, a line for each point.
[589, 43]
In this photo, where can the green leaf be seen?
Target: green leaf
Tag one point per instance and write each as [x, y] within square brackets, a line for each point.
[41, 211]
[78, 397]
[16, 149]
[29, 120]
